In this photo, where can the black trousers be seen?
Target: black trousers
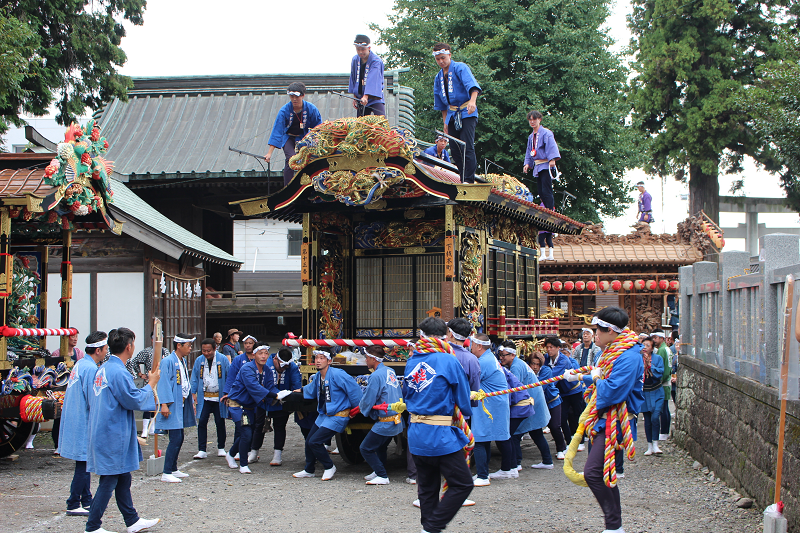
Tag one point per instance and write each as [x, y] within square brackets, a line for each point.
[555, 428]
[371, 109]
[258, 429]
[571, 408]
[607, 497]
[544, 182]
[466, 134]
[279, 420]
[436, 513]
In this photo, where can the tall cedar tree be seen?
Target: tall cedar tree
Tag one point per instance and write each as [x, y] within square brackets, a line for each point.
[548, 55]
[774, 109]
[76, 54]
[693, 60]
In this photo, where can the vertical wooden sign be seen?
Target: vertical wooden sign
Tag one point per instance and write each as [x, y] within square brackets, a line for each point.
[449, 257]
[305, 262]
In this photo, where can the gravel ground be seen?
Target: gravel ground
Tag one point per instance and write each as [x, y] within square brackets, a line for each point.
[659, 495]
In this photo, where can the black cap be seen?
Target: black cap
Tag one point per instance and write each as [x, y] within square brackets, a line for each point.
[361, 40]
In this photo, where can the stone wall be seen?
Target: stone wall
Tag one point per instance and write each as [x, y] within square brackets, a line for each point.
[730, 425]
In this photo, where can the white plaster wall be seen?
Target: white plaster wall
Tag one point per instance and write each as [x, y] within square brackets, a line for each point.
[79, 311]
[266, 242]
[120, 303]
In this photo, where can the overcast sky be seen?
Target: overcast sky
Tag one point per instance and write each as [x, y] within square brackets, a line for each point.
[200, 37]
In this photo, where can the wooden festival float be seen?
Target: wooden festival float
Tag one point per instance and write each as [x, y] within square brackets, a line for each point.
[638, 272]
[389, 240]
[40, 209]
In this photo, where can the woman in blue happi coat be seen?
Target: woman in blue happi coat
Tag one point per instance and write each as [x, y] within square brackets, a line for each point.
[553, 400]
[382, 387]
[177, 409]
[73, 440]
[286, 376]
[336, 392]
[209, 375]
[114, 451]
[486, 428]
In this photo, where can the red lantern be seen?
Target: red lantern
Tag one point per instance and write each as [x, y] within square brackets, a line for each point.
[546, 286]
[604, 285]
[651, 285]
[568, 286]
[591, 286]
[674, 285]
[557, 285]
[662, 284]
[627, 284]
[579, 285]
[639, 284]
[616, 285]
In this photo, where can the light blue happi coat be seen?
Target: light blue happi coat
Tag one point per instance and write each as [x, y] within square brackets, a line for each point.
[73, 439]
[341, 392]
[493, 379]
[113, 448]
[222, 364]
[181, 413]
[541, 417]
[382, 386]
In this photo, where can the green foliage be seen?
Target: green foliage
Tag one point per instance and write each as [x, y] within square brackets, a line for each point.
[774, 108]
[693, 60]
[70, 50]
[547, 55]
[17, 49]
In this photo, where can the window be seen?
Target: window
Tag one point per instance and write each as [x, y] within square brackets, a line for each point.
[295, 238]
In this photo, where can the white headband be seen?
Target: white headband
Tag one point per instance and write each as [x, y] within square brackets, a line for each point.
[361, 44]
[440, 52]
[602, 323]
[456, 336]
[249, 337]
[478, 341]
[508, 350]
[262, 347]
[658, 334]
[373, 356]
[587, 329]
[322, 352]
[283, 363]
[98, 344]
[181, 340]
[294, 93]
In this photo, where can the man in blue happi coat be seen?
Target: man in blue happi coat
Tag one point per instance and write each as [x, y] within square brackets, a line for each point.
[249, 343]
[366, 79]
[438, 150]
[434, 385]
[382, 387]
[114, 451]
[253, 385]
[231, 347]
[571, 391]
[485, 428]
[293, 122]
[286, 376]
[208, 383]
[177, 409]
[455, 94]
[73, 440]
[336, 392]
[541, 156]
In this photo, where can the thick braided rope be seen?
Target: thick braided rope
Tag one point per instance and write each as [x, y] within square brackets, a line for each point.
[590, 416]
[30, 409]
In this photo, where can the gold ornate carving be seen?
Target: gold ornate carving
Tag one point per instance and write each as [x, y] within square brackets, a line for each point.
[414, 250]
[474, 192]
[35, 204]
[117, 229]
[411, 214]
[471, 274]
[377, 204]
[305, 179]
[356, 164]
[410, 168]
[305, 296]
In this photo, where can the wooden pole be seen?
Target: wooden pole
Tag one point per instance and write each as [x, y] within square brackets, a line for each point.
[44, 252]
[66, 293]
[6, 280]
[788, 301]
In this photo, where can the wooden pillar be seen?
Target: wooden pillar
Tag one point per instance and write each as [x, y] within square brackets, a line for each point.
[44, 252]
[66, 292]
[6, 280]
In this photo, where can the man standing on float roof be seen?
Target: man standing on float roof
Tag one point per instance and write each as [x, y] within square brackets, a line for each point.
[366, 79]
[455, 94]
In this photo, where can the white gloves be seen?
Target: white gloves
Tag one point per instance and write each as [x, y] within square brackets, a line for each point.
[572, 375]
[597, 373]
[283, 394]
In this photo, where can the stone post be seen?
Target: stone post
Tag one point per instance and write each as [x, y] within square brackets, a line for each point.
[731, 264]
[685, 310]
[780, 250]
[703, 272]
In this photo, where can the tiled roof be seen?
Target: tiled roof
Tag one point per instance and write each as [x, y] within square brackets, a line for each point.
[570, 255]
[139, 217]
[17, 183]
[179, 126]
